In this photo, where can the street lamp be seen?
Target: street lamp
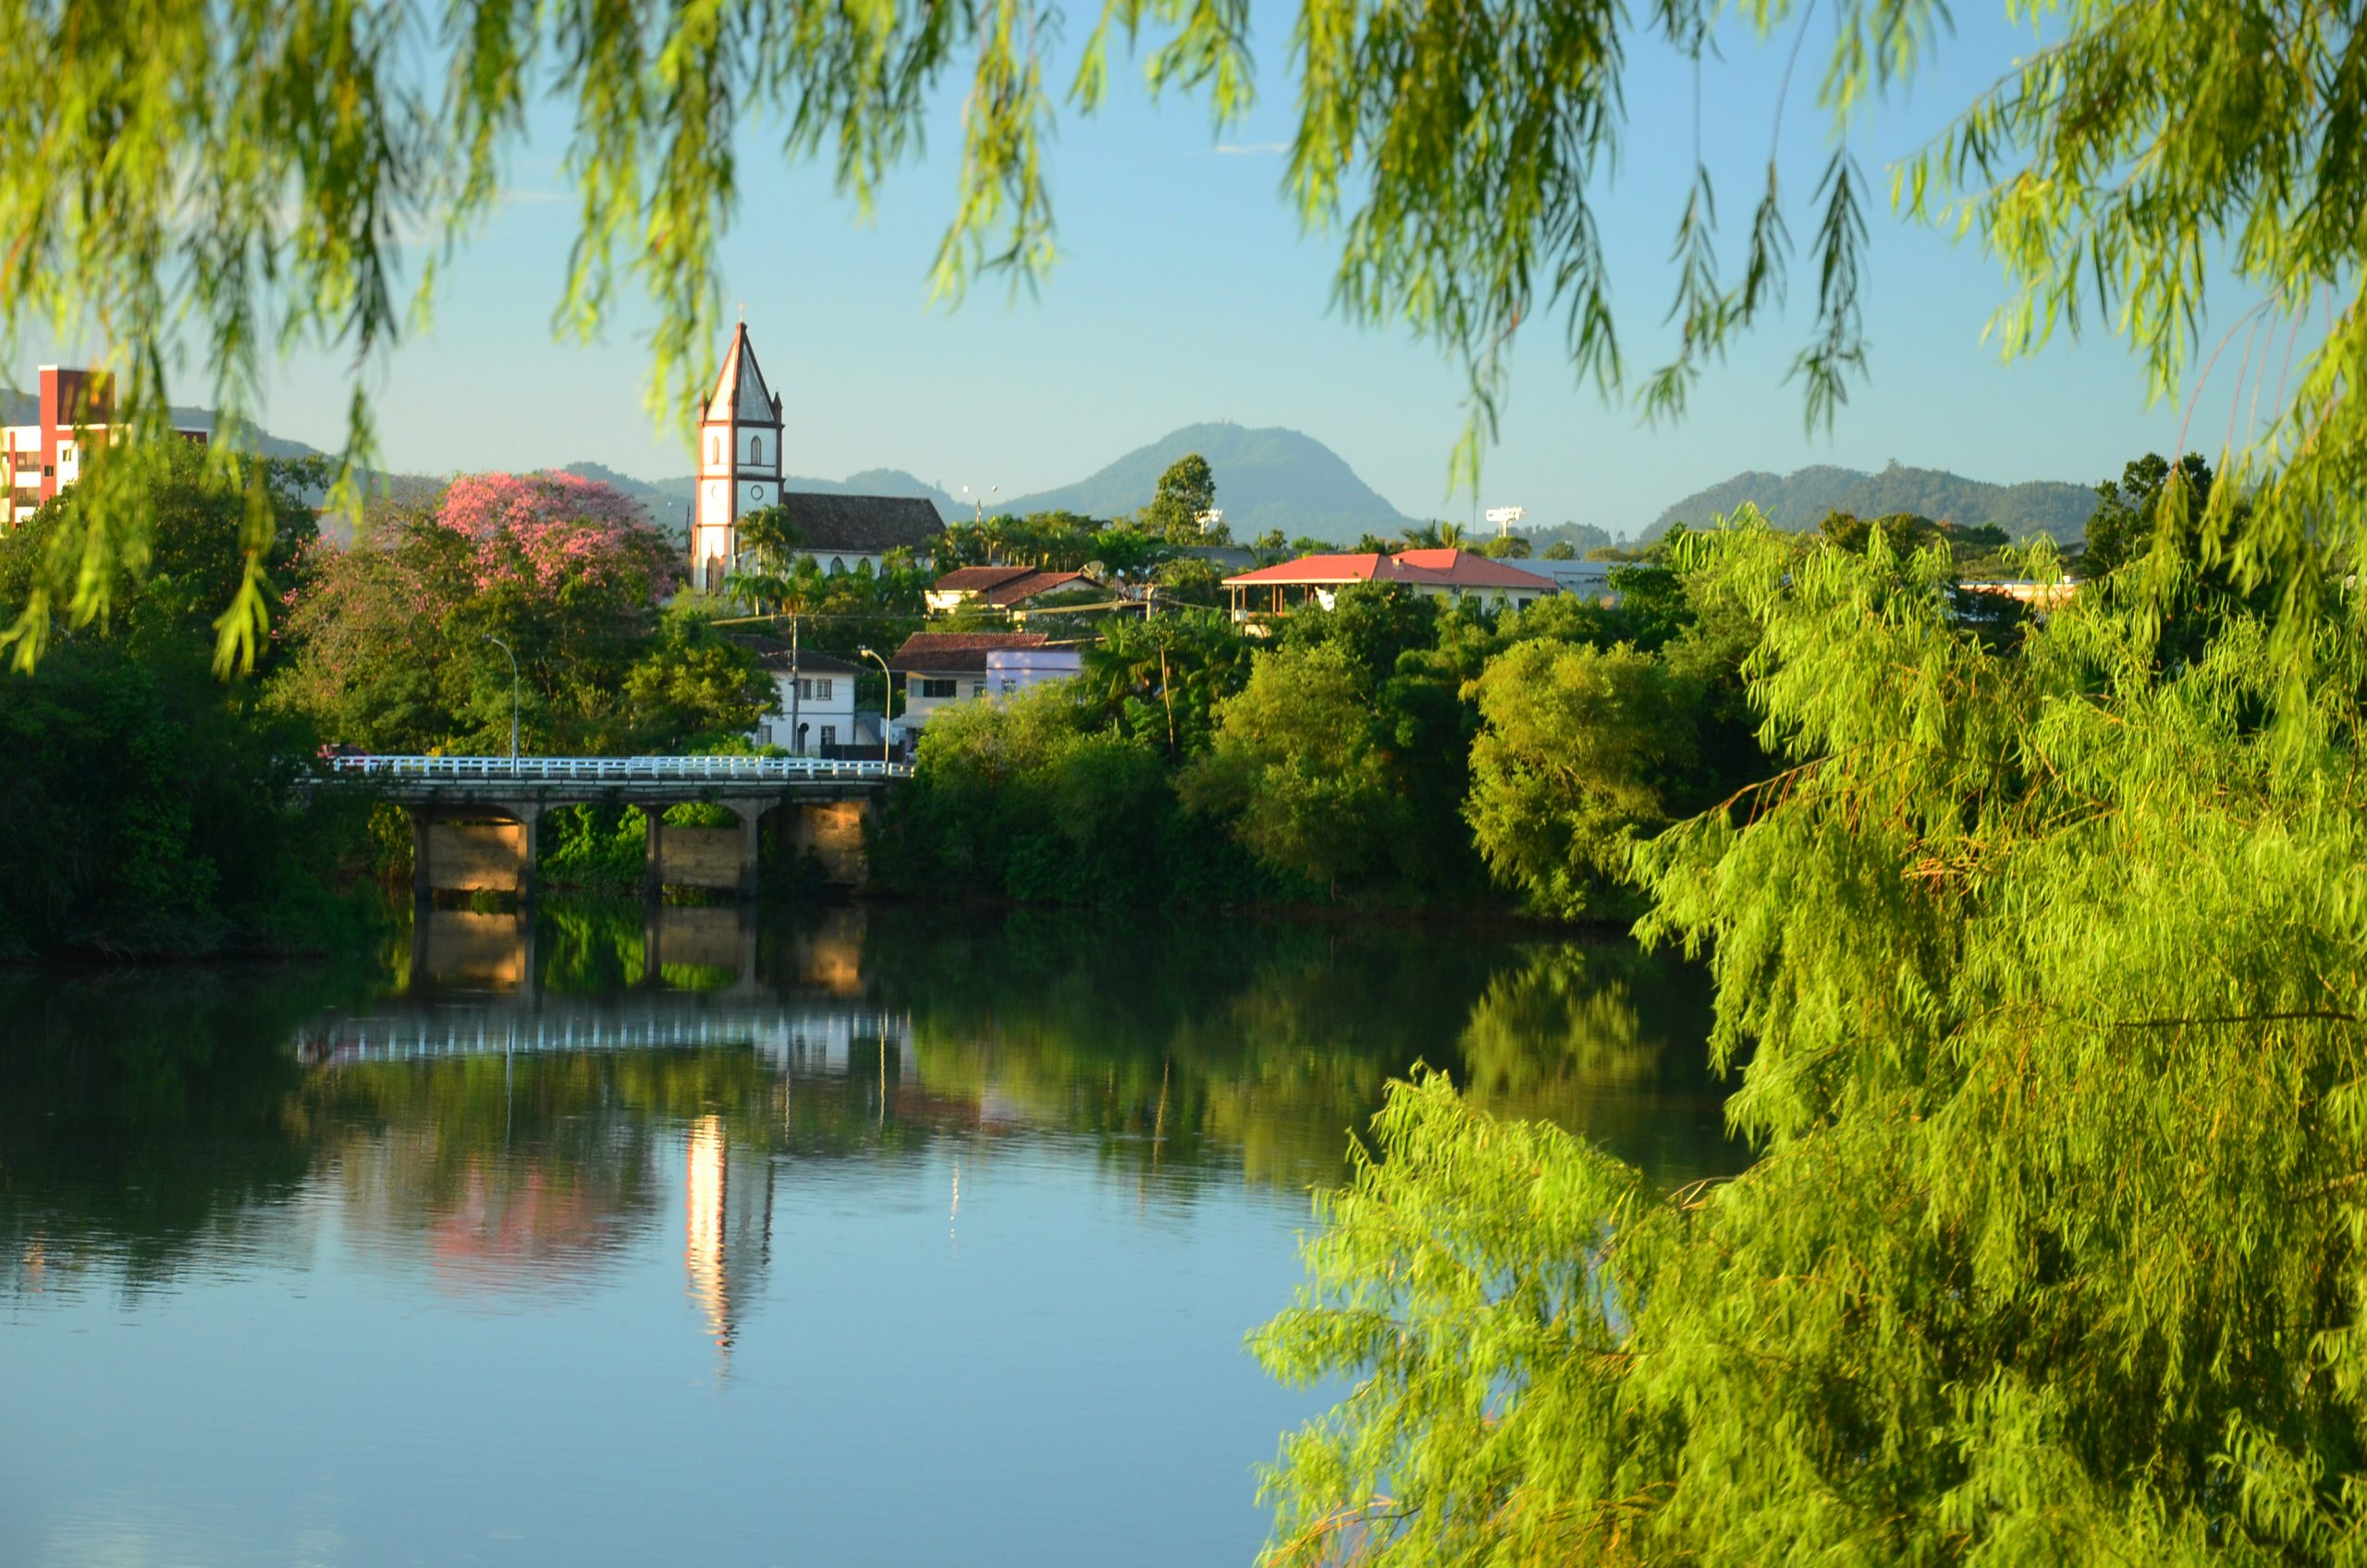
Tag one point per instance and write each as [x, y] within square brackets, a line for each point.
[513, 700]
[980, 501]
[887, 702]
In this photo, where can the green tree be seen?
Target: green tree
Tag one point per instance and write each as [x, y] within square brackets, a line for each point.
[1159, 678]
[393, 643]
[2130, 512]
[1187, 490]
[1295, 771]
[1573, 767]
[2046, 996]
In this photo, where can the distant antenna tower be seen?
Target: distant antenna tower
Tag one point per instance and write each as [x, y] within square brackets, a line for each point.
[1505, 517]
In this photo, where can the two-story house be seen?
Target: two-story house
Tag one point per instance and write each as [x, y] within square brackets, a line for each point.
[815, 703]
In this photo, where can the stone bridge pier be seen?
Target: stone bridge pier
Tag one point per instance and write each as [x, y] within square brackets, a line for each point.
[725, 859]
[487, 844]
[479, 847]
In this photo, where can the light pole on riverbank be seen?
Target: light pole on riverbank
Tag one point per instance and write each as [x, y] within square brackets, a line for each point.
[513, 700]
[887, 702]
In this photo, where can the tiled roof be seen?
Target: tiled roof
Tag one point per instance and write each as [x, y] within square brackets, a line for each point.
[1037, 583]
[860, 526]
[930, 652]
[1466, 568]
[1317, 570]
[1435, 569]
[978, 578]
[807, 661]
[1007, 584]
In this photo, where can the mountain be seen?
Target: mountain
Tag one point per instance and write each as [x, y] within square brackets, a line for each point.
[24, 407]
[1801, 499]
[669, 501]
[1270, 478]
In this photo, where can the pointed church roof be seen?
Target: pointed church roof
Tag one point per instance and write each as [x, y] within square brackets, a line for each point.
[741, 394]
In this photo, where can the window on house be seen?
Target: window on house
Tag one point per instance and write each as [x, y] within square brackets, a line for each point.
[829, 736]
[1009, 685]
[977, 688]
[813, 688]
[837, 565]
[935, 687]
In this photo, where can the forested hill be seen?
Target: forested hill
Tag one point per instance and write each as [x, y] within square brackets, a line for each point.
[1266, 478]
[1801, 500]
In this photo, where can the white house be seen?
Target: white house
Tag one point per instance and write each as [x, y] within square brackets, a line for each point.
[943, 669]
[1012, 670]
[814, 704]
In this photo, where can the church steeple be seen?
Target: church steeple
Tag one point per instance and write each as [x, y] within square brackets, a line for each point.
[739, 459]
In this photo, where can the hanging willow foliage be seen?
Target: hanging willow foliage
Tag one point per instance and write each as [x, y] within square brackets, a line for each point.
[2049, 969]
[239, 176]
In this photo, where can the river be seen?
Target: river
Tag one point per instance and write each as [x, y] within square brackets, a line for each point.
[872, 1236]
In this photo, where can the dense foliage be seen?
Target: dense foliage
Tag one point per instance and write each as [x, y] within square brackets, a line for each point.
[1391, 749]
[2041, 962]
[150, 808]
[399, 641]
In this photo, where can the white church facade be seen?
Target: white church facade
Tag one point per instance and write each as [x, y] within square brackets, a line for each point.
[740, 471]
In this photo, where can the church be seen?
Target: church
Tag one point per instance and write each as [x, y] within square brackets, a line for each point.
[740, 471]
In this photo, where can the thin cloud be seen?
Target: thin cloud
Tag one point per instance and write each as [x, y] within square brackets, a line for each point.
[1252, 149]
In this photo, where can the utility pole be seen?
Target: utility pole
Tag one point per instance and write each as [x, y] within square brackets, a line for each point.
[796, 691]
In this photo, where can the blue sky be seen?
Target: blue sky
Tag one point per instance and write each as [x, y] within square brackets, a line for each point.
[1188, 292]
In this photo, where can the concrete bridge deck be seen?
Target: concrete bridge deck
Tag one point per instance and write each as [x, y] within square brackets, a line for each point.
[572, 781]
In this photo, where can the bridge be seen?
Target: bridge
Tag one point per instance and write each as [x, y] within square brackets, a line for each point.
[474, 819]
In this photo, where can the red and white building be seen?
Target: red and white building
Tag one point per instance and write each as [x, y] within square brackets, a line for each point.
[38, 460]
[1460, 576]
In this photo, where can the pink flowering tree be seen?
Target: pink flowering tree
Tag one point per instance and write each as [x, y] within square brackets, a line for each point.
[543, 530]
[395, 652]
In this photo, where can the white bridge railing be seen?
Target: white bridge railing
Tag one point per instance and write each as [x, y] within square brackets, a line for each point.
[690, 770]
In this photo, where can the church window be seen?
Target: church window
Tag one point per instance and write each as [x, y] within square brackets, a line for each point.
[755, 448]
[837, 565]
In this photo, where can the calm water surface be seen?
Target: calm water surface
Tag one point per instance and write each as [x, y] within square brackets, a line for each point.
[876, 1237]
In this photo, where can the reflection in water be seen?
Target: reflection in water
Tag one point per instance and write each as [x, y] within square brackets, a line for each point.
[505, 1109]
[726, 1229]
[968, 1133]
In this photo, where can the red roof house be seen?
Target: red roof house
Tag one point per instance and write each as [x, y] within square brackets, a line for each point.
[1444, 574]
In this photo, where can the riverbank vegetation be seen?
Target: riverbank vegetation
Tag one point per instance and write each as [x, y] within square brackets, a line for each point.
[155, 809]
[1389, 751]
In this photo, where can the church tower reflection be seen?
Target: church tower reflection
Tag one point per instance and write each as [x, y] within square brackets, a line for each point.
[728, 1230]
